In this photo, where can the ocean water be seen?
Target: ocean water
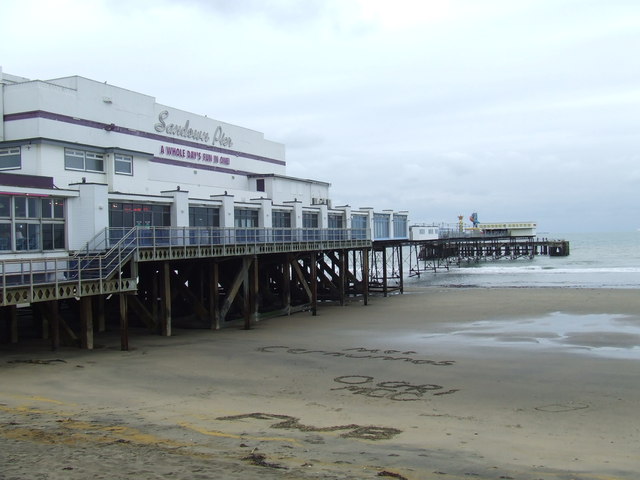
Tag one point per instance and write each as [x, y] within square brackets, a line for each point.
[597, 260]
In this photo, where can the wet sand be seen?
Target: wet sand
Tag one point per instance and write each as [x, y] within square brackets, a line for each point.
[445, 384]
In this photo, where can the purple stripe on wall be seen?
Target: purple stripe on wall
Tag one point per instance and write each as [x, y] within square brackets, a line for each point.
[136, 133]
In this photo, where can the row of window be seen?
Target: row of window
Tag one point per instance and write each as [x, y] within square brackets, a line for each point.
[94, 162]
[128, 215]
[131, 214]
[382, 225]
[31, 207]
[32, 236]
[81, 160]
[38, 223]
[31, 223]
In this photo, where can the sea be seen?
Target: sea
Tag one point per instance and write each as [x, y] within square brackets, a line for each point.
[596, 260]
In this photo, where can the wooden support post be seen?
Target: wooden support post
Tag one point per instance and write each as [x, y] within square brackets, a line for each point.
[124, 323]
[155, 296]
[141, 312]
[343, 261]
[354, 254]
[233, 291]
[255, 291]
[400, 270]
[165, 321]
[10, 313]
[246, 310]
[384, 271]
[214, 296]
[314, 284]
[302, 279]
[365, 276]
[100, 317]
[44, 319]
[286, 283]
[13, 323]
[86, 321]
[52, 306]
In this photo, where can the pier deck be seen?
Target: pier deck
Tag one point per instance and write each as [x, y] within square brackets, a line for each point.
[430, 255]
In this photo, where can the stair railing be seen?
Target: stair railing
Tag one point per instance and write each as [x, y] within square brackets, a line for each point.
[101, 265]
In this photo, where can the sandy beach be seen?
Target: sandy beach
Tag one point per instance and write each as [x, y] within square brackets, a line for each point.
[437, 383]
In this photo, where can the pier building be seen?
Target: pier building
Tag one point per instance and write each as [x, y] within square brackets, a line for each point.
[112, 203]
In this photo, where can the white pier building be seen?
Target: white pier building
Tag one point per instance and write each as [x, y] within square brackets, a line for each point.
[78, 156]
[104, 191]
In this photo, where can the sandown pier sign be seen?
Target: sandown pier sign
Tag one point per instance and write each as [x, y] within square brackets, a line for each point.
[185, 131]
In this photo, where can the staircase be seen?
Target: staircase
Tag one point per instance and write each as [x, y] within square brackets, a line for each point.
[94, 263]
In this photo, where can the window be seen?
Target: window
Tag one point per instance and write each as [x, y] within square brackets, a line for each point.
[123, 164]
[128, 215]
[27, 236]
[26, 207]
[400, 224]
[310, 224]
[380, 226]
[359, 221]
[359, 225]
[204, 217]
[335, 220]
[10, 158]
[31, 223]
[281, 222]
[52, 236]
[85, 161]
[5, 206]
[309, 220]
[20, 207]
[73, 159]
[52, 208]
[246, 218]
[260, 185]
[281, 219]
[5, 236]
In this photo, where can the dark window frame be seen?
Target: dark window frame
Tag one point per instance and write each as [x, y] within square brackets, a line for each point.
[11, 154]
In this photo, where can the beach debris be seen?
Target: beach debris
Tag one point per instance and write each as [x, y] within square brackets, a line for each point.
[292, 423]
[38, 361]
[260, 460]
[387, 473]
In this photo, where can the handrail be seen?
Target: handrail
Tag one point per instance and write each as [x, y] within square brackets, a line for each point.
[114, 258]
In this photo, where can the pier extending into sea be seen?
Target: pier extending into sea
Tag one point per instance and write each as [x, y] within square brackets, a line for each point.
[431, 255]
[156, 278]
[389, 258]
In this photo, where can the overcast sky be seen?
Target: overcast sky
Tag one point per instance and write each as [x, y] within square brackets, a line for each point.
[518, 110]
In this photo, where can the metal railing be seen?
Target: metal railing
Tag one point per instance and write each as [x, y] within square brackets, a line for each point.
[147, 237]
[477, 233]
[105, 254]
[74, 269]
